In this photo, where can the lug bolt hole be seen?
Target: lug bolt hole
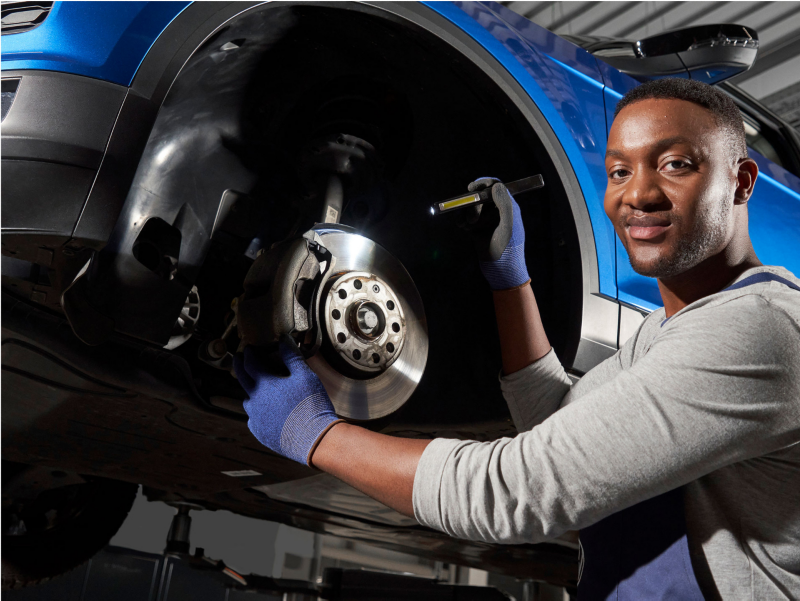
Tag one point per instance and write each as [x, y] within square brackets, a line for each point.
[356, 354]
[390, 305]
[357, 284]
[390, 347]
[336, 314]
[395, 327]
[341, 337]
[376, 289]
[342, 294]
[376, 358]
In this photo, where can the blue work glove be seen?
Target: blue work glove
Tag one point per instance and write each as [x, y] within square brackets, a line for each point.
[288, 414]
[503, 260]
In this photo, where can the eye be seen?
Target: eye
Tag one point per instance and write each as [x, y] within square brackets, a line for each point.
[675, 164]
[618, 174]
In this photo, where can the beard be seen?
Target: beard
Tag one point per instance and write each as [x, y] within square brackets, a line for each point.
[706, 239]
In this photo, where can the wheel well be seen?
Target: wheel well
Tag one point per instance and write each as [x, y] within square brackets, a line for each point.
[274, 77]
[260, 89]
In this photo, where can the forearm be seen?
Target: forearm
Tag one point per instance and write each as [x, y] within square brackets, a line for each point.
[522, 336]
[378, 465]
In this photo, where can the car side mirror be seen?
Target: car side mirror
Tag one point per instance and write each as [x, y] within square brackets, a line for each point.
[708, 53]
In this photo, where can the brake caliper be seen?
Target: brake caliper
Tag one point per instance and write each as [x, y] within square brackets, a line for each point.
[281, 294]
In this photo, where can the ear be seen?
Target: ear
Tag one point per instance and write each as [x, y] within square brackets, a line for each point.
[747, 172]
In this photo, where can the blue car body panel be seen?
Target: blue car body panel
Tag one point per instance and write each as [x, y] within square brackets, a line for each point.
[104, 40]
[575, 92]
[774, 212]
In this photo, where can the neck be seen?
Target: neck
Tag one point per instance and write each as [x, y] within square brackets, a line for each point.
[706, 278]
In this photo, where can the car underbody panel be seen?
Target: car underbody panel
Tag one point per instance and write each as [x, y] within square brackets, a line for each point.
[132, 414]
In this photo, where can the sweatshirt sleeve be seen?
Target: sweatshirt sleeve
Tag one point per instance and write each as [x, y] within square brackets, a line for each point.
[537, 391]
[706, 395]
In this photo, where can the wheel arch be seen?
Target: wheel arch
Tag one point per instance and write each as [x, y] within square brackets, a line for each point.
[201, 21]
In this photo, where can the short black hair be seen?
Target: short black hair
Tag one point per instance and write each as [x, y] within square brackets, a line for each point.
[725, 111]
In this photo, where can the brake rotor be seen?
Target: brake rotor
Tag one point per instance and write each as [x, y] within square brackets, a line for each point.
[375, 335]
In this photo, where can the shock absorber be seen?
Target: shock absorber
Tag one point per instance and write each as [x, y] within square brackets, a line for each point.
[334, 165]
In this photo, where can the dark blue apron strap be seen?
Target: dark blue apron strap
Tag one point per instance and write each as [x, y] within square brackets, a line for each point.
[760, 278]
[639, 553]
[757, 278]
[642, 553]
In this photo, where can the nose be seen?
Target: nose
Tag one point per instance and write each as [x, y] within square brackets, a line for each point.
[643, 191]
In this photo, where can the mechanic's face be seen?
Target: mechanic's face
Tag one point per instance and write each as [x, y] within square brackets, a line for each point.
[672, 185]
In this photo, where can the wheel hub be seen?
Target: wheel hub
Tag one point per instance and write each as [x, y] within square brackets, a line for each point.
[364, 321]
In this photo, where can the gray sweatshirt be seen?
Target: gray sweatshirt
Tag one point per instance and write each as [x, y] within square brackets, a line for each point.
[709, 398]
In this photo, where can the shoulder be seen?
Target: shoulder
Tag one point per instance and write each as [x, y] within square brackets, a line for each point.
[753, 325]
[759, 295]
[776, 285]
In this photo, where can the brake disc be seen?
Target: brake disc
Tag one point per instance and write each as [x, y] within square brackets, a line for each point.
[375, 338]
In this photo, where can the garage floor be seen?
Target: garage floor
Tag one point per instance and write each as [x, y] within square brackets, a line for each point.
[127, 575]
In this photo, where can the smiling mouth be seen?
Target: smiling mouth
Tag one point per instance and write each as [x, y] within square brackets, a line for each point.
[638, 232]
[646, 228]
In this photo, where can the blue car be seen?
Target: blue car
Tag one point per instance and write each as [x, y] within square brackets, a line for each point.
[173, 169]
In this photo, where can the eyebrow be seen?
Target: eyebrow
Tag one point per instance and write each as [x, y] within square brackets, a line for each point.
[665, 143]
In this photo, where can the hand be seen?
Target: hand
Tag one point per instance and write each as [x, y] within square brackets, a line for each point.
[289, 414]
[503, 258]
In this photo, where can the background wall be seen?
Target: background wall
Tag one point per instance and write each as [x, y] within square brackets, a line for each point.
[774, 79]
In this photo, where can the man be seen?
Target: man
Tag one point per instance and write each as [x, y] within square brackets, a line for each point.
[678, 458]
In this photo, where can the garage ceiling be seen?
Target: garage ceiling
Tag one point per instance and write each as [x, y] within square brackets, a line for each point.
[775, 77]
